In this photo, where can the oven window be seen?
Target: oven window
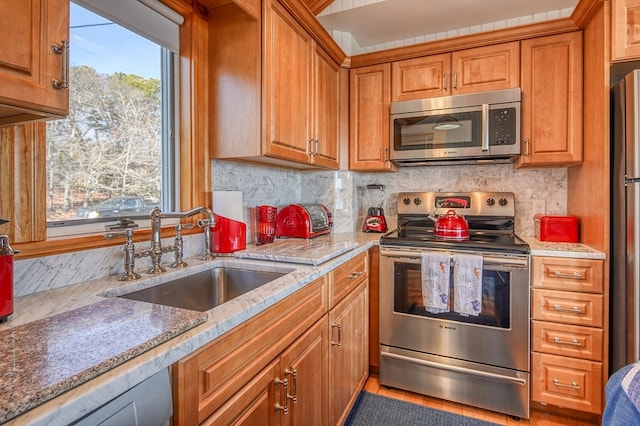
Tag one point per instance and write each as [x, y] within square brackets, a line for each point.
[407, 296]
[457, 130]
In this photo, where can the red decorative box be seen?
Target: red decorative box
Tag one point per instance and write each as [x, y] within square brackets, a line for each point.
[559, 229]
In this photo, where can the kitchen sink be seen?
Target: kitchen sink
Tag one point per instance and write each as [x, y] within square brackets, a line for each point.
[205, 290]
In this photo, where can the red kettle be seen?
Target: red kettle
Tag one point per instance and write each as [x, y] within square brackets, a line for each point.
[451, 226]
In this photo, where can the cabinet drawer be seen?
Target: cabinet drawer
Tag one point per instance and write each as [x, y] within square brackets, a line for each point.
[347, 277]
[568, 340]
[567, 307]
[562, 273]
[567, 382]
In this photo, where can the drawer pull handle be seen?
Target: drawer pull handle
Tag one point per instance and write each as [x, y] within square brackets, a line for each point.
[573, 385]
[573, 342]
[573, 309]
[284, 383]
[339, 342]
[293, 372]
[354, 275]
[573, 275]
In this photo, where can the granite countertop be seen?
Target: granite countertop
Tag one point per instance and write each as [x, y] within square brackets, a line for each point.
[72, 349]
[45, 358]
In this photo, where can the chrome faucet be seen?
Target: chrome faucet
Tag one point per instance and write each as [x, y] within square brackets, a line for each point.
[156, 249]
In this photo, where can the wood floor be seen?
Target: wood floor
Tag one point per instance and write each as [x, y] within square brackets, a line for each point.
[538, 418]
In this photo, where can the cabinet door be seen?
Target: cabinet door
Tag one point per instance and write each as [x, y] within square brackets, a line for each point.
[485, 68]
[326, 98]
[418, 78]
[28, 29]
[257, 403]
[625, 32]
[306, 366]
[552, 100]
[288, 54]
[369, 97]
[348, 360]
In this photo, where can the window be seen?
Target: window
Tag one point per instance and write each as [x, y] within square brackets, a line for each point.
[115, 155]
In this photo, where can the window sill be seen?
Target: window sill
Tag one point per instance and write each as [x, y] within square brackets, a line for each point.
[61, 245]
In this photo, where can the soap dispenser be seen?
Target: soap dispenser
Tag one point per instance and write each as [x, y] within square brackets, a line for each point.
[6, 276]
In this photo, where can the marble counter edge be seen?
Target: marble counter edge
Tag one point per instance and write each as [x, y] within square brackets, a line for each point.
[570, 250]
[87, 397]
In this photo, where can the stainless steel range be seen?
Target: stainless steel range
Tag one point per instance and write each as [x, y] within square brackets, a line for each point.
[454, 313]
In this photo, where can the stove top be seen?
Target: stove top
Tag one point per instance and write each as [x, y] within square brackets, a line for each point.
[490, 215]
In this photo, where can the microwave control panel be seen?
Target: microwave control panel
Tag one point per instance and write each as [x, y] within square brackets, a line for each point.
[502, 126]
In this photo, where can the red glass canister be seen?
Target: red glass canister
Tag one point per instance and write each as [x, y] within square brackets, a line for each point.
[6, 278]
[266, 217]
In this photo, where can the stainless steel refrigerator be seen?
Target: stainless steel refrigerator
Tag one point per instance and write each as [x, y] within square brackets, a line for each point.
[625, 222]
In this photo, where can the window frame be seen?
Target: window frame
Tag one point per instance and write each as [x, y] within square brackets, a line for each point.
[22, 151]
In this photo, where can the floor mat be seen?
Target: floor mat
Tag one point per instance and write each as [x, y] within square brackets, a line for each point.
[376, 410]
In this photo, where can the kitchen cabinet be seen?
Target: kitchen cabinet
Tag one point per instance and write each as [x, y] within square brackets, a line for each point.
[369, 99]
[479, 69]
[551, 106]
[348, 359]
[348, 320]
[625, 37]
[278, 101]
[206, 381]
[567, 323]
[305, 366]
[302, 361]
[33, 60]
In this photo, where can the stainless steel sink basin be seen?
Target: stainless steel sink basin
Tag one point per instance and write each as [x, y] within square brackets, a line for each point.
[204, 290]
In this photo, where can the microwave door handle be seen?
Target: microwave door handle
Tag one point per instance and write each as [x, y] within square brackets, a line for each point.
[485, 127]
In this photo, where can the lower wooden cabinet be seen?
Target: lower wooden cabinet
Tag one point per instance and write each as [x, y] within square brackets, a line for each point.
[348, 358]
[301, 362]
[567, 333]
[305, 367]
[568, 383]
[253, 404]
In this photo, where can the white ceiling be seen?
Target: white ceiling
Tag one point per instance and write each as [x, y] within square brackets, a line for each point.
[361, 26]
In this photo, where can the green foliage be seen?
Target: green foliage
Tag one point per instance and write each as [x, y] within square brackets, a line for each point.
[149, 86]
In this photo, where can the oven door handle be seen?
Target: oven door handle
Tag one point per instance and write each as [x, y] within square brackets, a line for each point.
[455, 369]
[487, 260]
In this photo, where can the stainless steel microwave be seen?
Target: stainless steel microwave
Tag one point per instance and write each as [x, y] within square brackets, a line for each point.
[473, 128]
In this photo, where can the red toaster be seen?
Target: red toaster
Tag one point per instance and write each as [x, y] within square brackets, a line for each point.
[303, 221]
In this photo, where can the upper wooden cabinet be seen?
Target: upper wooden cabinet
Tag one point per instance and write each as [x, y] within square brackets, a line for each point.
[551, 130]
[277, 102]
[369, 98]
[31, 30]
[472, 70]
[625, 31]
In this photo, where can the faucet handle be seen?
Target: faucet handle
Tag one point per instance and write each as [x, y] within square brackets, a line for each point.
[204, 223]
[128, 233]
[181, 226]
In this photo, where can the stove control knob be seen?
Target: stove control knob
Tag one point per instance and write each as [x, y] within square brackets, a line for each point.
[491, 202]
[417, 201]
[503, 202]
[407, 201]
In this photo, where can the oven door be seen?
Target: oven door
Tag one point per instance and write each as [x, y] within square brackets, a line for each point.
[497, 336]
